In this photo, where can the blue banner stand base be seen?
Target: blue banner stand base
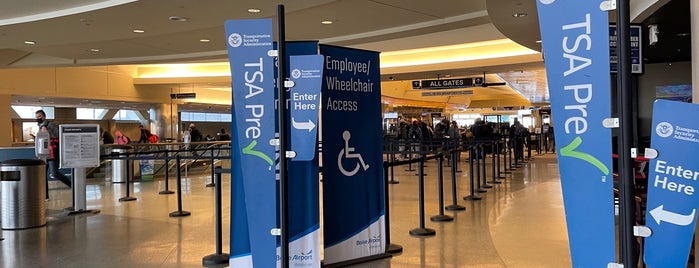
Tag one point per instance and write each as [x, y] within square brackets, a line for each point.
[358, 261]
[441, 218]
[472, 198]
[215, 259]
[127, 198]
[181, 213]
[392, 248]
[455, 207]
[166, 192]
[422, 232]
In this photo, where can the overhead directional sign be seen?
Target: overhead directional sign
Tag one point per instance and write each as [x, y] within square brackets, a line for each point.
[307, 74]
[672, 183]
[443, 83]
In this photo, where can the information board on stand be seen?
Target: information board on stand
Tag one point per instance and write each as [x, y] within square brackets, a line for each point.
[79, 145]
[672, 184]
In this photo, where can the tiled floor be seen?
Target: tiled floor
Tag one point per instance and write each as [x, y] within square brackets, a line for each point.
[519, 223]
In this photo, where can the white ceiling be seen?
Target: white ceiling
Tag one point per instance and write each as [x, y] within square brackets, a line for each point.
[67, 31]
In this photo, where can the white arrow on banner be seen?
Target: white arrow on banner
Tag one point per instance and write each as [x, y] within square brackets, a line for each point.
[659, 214]
[303, 125]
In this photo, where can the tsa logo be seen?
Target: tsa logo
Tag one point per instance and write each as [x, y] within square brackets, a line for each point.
[664, 129]
[295, 73]
[235, 40]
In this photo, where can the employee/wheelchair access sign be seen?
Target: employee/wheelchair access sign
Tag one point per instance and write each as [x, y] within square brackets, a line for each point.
[672, 184]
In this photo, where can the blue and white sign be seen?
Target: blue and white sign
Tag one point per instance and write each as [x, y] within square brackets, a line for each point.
[304, 102]
[252, 74]
[635, 43]
[672, 184]
[353, 195]
[303, 195]
[575, 44]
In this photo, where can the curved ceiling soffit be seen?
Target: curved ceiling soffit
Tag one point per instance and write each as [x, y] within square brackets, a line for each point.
[524, 28]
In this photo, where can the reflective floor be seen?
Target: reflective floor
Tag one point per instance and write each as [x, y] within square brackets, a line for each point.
[518, 223]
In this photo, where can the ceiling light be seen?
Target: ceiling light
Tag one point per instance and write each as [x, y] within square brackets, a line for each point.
[254, 10]
[204, 40]
[538, 41]
[94, 50]
[138, 31]
[178, 18]
[519, 14]
[326, 22]
[682, 34]
[29, 42]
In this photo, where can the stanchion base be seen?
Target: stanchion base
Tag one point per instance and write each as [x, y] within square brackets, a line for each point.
[455, 208]
[394, 249]
[486, 186]
[422, 232]
[215, 259]
[77, 212]
[502, 177]
[180, 213]
[441, 218]
[127, 198]
[166, 192]
[472, 197]
[495, 182]
[393, 182]
[211, 185]
[459, 171]
[479, 190]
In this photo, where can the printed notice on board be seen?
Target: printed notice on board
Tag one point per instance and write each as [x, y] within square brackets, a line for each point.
[79, 146]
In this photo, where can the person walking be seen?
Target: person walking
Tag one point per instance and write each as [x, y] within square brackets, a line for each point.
[54, 152]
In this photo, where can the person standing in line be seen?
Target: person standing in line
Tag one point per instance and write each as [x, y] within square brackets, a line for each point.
[145, 135]
[107, 138]
[121, 138]
[223, 136]
[194, 133]
[52, 129]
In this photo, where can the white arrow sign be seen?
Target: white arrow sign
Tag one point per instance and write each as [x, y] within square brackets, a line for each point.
[303, 125]
[678, 219]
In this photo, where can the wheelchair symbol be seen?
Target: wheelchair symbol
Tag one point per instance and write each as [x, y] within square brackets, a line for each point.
[347, 152]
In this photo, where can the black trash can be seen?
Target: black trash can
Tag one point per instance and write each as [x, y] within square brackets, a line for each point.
[23, 194]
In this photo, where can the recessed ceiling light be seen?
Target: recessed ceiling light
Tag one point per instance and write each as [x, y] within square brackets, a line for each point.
[204, 40]
[682, 34]
[519, 14]
[254, 10]
[29, 42]
[178, 18]
[326, 22]
[95, 50]
[138, 31]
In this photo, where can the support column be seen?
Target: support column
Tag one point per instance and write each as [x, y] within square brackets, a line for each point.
[6, 120]
[165, 121]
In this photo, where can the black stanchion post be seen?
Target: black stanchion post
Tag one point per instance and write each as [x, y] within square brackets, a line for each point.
[483, 166]
[283, 132]
[493, 164]
[167, 174]
[499, 144]
[212, 183]
[390, 248]
[128, 189]
[421, 231]
[179, 212]
[440, 189]
[219, 257]
[471, 155]
[410, 156]
[479, 185]
[454, 206]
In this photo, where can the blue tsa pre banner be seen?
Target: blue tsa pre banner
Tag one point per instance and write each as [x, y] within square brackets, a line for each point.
[672, 183]
[352, 155]
[252, 75]
[575, 37]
